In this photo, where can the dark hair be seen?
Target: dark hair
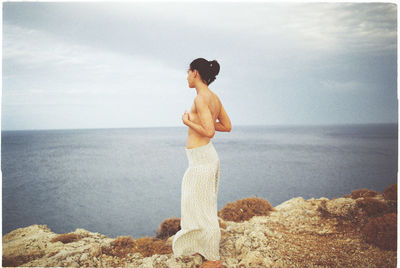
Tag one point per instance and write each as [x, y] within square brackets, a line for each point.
[207, 69]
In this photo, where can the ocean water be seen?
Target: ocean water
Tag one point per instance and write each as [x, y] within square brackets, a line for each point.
[127, 181]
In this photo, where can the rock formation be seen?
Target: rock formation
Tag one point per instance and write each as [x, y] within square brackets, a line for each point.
[356, 230]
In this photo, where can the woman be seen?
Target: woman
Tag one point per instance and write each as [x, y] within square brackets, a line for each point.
[200, 233]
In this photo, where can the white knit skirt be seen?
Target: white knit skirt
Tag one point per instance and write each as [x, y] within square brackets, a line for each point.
[199, 220]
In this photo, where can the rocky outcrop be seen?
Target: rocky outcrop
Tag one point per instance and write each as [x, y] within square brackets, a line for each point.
[358, 230]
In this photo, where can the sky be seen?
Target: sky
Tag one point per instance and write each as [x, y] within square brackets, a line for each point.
[123, 64]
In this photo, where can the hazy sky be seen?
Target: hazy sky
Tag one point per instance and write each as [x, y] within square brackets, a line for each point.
[106, 65]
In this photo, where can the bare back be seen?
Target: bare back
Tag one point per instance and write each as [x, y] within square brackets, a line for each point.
[214, 104]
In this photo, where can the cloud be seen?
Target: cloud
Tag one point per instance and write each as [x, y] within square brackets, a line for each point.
[37, 53]
[34, 47]
[130, 58]
[131, 27]
[343, 27]
[345, 86]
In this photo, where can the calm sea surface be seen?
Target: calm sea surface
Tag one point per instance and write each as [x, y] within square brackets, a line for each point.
[127, 181]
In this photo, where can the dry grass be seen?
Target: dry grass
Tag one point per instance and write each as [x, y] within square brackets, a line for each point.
[382, 231]
[363, 192]
[18, 260]
[66, 238]
[147, 246]
[372, 207]
[392, 206]
[379, 223]
[120, 247]
[245, 209]
[390, 195]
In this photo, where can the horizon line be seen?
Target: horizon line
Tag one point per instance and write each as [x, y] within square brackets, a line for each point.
[241, 125]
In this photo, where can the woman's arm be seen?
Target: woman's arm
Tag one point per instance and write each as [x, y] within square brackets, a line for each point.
[206, 128]
[220, 127]
[224, 123]
[199, 129]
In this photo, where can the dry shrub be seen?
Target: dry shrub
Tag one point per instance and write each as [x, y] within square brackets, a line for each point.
[382, 231]
[392, 206]
[66, 238]
[18, 260]
[372, 207]
[245, 209]
[168, 228]
[171, 226]
[147, 246]
[390, 196]
[390, 192]
[121, 246]
[363, 192]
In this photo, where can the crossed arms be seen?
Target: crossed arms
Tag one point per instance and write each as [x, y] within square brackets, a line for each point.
[208, 127]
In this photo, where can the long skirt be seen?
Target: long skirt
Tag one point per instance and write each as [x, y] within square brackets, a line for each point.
[200, 230]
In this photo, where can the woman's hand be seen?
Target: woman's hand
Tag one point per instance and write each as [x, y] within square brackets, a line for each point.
[185, 117]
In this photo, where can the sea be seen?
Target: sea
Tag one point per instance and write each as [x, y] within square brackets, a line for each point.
[126, 181]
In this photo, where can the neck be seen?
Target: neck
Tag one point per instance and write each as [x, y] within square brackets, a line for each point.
[201, 88]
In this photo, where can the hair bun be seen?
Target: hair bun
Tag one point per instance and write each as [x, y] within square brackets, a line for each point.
[207, 69]
[214, 65]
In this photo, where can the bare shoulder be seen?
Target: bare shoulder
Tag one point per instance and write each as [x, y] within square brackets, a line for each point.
[216, 97]
[208, 99]
[200, 99]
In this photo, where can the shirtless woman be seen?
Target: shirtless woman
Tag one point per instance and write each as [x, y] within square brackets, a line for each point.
[206, 109]
[200, 233]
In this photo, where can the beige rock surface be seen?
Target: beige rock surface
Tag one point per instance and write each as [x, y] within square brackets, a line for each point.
[296, 235]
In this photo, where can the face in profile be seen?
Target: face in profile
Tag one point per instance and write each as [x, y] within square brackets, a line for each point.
[190, 78]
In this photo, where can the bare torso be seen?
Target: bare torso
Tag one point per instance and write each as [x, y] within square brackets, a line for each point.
[195, 139]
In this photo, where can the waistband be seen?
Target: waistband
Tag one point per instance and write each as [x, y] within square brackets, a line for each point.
[204, 154]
